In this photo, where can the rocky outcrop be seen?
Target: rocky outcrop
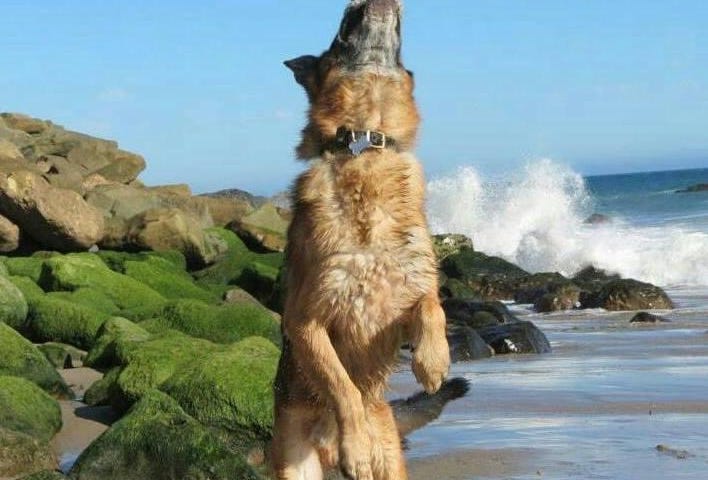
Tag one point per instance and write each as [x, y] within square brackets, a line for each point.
[646, 317]
[628, 294]
[700, 187]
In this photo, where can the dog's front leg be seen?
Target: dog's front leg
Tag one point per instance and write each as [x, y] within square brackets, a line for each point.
[431, 354]
[319, 361]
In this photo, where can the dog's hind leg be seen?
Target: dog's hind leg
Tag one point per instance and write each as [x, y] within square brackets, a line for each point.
[387, 455]
[294, 456]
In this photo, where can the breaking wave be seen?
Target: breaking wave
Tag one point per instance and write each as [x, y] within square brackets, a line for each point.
[536, 219]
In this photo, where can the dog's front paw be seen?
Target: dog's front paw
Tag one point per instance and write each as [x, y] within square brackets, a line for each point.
[431, 362]
[355, 457]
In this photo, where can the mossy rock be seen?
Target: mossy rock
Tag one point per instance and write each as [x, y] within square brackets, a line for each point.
[86, 270]
[468, 264]
[13, 306]
[22, 454]
[25, 267]
[259, 279]
[229, 265]
[46, 475]
[149, 364]
[157, 440]
[98, 393]
[62, 355]
[116, 260]
[231, 388]
[27, 286]
[113, 340]
[219, 324]
[18, 357]
[162, 276]
[26, 408]
[4, 272]
[89, 297]
[53, 319]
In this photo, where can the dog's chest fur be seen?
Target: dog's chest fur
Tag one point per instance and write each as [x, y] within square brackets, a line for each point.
[360, 229]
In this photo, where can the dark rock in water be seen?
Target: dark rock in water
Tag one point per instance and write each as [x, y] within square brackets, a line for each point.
[701, 187]
[519, 337]
[597, 219]
[566, 297]
[628, 294]
[674, 452]
[477, 314]
[645, 317]
[466, 344]
[454, 288]
[591, 278]
[468, 265]
[450, 243]
[531, 288]
[422, 408]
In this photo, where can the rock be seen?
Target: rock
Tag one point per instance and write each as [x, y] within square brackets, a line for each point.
[26, 408]
[264, 229]
[645, 317]
[86, 270]
[466, 344]
[597, 219]
[231, 389]
[9, 151]
[701, 187]
[477, 314]
[179, 189]
[165, 278]
[89, 297]
[55, 320]
[518, 337]
[124, 168]
[157, 440]
[56, 218]
[260, 280]
[28, 288]
[22, 454]
[9, 235]
[60, 173]
[565, 297]
[170, 229]
[219, 324]
[529, 289]
[18, 357]
[98, 394]
[113, 341]
[454, 288]
[226, 211]
[13, 306]
[450, 243]
[149, 364]
[62, 355]
[24, 123]
[591, 278]
[491, 278]
[628, 294]
[30, 267]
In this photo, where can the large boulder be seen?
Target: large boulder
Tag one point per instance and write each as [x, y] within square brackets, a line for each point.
[225, 210]
[54, 217]
[9, 235]
[477, 314]
[490, 278]
[13, 306]
[264, 229]
[170, 229]
[53, 319]
[113, 341]
[628, 294]
[167, 279]
[466, 344]
[231, 389]
[22, 454]
[563, 297]
[18, 357]
[26, 408]
[157, 440]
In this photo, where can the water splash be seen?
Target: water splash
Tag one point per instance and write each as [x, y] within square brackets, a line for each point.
[535, 218]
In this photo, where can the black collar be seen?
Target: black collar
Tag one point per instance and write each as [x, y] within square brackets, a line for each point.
[357, 141]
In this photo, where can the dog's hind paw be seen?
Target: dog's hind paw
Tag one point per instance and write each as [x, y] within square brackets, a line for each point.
[355, 458]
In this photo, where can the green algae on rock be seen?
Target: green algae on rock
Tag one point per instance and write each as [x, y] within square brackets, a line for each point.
[22, 454]
[113, 339]
[13, 306]
[62, 355]
[26, 408]
[157, 440]
[230, 388]
[162, 276]
[18, 357]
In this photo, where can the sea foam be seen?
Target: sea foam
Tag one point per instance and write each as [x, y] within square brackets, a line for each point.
[535, 218]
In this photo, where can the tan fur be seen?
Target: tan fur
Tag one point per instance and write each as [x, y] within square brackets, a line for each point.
[361, 279]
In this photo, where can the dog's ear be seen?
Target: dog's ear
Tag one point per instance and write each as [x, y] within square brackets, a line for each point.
[303, 68]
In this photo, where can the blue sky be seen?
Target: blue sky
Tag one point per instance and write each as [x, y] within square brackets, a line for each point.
[199, 89]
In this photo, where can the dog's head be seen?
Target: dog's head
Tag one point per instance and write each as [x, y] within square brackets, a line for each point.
[360, 82]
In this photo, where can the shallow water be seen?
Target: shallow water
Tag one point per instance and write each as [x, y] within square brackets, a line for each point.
[595, 408]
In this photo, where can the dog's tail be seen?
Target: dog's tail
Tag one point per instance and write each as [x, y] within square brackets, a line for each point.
[420, 409]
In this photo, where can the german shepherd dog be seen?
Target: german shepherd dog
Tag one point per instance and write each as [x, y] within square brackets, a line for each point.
[361, 272]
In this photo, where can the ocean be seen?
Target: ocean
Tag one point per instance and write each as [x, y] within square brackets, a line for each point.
[613, 400]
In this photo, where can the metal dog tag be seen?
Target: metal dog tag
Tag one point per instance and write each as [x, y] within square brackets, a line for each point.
[358, 146]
